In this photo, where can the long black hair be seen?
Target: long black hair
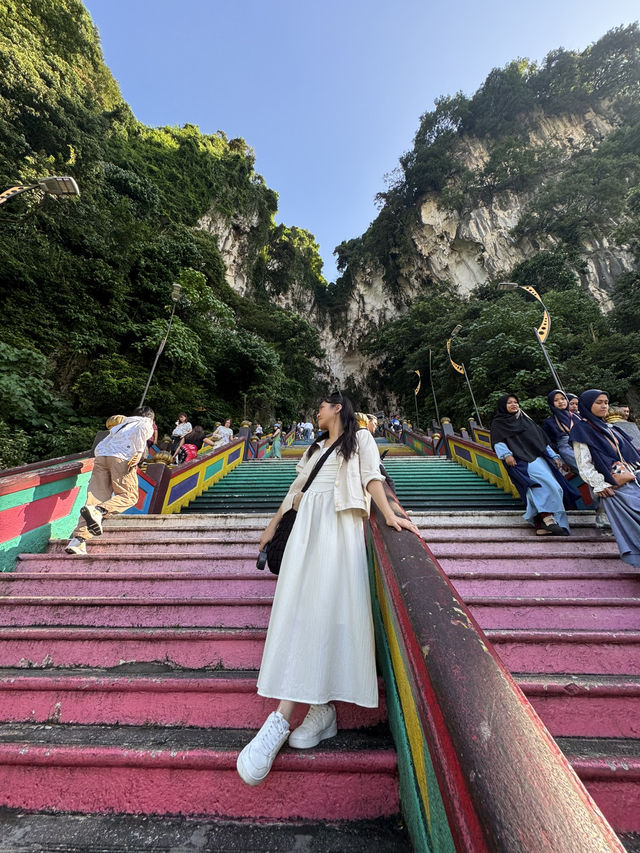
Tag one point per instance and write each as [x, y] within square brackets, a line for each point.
[349, 425]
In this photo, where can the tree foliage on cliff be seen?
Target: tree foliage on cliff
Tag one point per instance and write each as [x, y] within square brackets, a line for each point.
[85, 283]
[575, 191]
[499, 349]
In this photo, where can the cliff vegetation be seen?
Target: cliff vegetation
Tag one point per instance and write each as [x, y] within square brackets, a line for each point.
[85, 283]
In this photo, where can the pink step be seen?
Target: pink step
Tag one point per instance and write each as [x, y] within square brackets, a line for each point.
[580, 652]
[135, 585]
[520, 534]
[190, 698]
[91, 769]
[105, 545]
[611, 773]
[464, 563]
[190, 648]
[134, 562]
[136, 612]
[535, 547]
[521, 569]
[556, 585]
[585, 706]
[598, 614]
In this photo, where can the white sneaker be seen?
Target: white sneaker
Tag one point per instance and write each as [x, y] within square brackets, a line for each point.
[255, 760]
[77, 546]
[601, 519]
[93, 517]
[319, 724]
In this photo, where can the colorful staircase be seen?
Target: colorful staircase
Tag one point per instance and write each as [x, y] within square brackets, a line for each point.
[564, 615]
[423, 483]
[127, 685]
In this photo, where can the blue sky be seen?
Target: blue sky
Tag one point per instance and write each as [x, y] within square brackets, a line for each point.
[328, 92]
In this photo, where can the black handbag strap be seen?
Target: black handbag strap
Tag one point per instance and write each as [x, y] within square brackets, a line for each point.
[321, 462]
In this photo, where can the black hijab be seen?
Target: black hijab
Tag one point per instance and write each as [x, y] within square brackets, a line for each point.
[523, 437]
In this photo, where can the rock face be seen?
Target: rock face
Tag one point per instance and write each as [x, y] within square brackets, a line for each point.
[233, 243]
[462, 249]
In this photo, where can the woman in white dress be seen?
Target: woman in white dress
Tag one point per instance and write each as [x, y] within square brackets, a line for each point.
[320, 642]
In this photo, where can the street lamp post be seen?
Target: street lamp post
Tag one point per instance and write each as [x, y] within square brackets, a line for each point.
[463, 370]
[53, 185]
[175, 296]
[542, 331]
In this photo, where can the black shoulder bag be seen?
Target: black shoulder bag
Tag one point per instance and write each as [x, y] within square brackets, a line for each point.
[274, 550]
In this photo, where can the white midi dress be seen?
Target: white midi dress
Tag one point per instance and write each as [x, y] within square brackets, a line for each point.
[320, 642]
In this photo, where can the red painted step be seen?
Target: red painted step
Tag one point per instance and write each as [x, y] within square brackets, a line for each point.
[151, 696]
[192, 772]
[191, 648]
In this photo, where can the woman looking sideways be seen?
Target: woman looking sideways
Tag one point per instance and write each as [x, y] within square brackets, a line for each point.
[522, 446]
[320, 644]
[600, 451]
[559, 425]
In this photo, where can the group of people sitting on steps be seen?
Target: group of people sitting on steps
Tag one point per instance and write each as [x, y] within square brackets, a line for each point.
[585, 436]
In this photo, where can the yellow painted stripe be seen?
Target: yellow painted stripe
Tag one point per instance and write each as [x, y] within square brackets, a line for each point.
[415, 734]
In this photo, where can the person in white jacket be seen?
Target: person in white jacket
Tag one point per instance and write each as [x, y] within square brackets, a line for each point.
[113, 486]
[320, 644]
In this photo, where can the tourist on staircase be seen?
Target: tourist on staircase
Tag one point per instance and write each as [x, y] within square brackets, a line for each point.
[276, 438]
[320, 642]
[558, 427]
[181, 428]
[573, 404]
[619, 415]
[610, 464]
[113, 486]
[189, 445]
[533, 467]
[222, 434]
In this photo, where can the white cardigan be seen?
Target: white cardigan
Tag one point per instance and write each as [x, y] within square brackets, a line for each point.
[352, 479]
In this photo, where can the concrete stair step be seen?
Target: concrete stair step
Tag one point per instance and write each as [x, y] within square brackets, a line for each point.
[50, 646]
[213, 547]
[191, 771]
[146, 694]
[137, 585]
[537, 546]
[596, 614]
[583, 538]
[561, 651]
[196, 522]
[509, 518]
[606, 706]
[553, 585]
[536, 563]
[610, 770]
[135, 562]
[106, 611]
[73, 833]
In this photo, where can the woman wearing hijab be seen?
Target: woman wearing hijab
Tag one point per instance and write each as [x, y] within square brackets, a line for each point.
[558, 427]
[603, 454]
[573, 405]
[523, 447]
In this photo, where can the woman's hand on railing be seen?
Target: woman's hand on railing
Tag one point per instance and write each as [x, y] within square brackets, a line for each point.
[399, 522]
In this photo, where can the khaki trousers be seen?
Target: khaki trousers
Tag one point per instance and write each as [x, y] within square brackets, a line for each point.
[113, 485]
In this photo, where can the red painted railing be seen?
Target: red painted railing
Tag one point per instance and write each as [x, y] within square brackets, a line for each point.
[503, 781]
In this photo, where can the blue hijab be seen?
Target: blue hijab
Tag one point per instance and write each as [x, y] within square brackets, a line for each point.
[598, 435]
[564, 416]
